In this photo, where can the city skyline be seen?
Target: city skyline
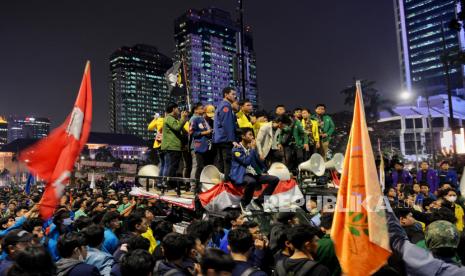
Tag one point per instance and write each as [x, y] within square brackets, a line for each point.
[304, 51]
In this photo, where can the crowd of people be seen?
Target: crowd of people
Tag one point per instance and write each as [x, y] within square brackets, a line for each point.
[238, 142]
[103, 230]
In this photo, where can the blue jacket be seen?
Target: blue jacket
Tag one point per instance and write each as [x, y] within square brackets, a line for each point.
[200, 143]
[102, 260]
[431, 178]
[53, 236]
[110, 242]
[240, 161]
[448, 176]
[224, 129]
[404, 178]
[224, 241]
[421, 197]
[19, 222]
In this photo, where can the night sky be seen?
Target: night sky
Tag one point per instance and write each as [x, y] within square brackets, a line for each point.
[307, 51]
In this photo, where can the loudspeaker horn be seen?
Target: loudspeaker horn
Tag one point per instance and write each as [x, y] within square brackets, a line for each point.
[336, 163]
[279, 170]
[209, 177]
[315, 164]
[148, 170]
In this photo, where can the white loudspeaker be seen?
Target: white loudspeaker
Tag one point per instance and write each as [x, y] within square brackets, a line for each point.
[209, 177]
[280, 171]
[148, 170]
[336, 163]
[315, 164]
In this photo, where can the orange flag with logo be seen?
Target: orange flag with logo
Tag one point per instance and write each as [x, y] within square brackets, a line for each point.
[359, 229]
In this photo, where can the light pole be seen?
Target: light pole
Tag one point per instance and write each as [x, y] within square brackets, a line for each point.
[446, 62]
[430, 124]
[241, 47]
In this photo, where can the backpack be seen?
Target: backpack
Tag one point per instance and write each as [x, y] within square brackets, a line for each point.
[306, 268]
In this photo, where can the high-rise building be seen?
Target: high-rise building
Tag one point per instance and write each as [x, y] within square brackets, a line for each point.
[27, 128]
[423, 35]
[207, 40]
[138, 88]
[3, 131]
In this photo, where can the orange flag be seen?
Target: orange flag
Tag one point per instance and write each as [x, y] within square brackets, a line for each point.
[359, 229]
[54, 156]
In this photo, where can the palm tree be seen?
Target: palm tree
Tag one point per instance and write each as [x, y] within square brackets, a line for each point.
[372, 99]
[377, 104]
[367, 90]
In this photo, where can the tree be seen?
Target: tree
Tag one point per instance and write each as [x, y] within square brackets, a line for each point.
[372, 99]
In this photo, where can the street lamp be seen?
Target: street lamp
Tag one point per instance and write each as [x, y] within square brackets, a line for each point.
[405, 95]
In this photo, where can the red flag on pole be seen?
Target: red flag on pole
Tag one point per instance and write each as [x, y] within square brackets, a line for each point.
[53, 157]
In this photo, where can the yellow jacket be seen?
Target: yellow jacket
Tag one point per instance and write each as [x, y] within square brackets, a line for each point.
[243, 121]
[315, 131]
[459, 215]
[149, 236]
[257, 126]
[158, 125]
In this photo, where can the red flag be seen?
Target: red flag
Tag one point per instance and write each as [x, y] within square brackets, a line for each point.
[53, 157]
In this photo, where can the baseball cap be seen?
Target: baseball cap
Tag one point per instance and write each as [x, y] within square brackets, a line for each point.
[441, 234]
[210, 110]
[16, 236]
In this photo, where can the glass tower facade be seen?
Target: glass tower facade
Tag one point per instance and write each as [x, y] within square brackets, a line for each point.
[3, 131]
[27, 128]
[207, 40]
[423, 34]
[138, 88]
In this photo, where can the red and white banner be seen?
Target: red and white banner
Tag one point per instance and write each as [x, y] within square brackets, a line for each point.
[225, 194]
[53, 157]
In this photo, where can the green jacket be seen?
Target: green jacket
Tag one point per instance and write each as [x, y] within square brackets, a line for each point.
[294, 135]
[326, 126]
[326, 255]
[172, 133]
[299, 135]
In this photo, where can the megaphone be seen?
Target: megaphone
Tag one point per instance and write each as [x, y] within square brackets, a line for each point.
[148, 170]
[336, 163]
[315, 164]
[279, 170]
[209, 177]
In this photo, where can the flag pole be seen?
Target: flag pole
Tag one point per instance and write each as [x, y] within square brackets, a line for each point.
[184, 72]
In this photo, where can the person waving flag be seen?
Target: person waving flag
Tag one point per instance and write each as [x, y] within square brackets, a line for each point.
[53, 157]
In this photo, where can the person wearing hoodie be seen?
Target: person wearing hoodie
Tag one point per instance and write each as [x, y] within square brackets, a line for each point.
[134, 243]
[304, 240]
[241, 243]
[95, 256]
[73, 250]
[175, 248]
